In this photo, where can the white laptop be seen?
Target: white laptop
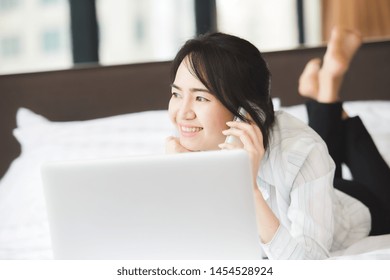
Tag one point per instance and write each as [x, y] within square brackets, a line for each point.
[182, 206]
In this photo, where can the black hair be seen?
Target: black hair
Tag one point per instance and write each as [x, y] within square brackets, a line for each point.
[235, 72]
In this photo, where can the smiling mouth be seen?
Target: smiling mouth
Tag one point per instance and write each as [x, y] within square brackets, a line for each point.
[187, 129]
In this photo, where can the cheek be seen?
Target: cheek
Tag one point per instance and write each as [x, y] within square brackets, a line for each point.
[219, 126]
[172, 111]
[224, 117]
[219, 119]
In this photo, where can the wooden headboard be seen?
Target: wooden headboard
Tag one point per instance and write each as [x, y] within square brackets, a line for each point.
[98, 91]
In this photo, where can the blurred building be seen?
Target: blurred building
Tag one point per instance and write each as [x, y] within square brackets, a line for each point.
[34, 35]
[147, 30]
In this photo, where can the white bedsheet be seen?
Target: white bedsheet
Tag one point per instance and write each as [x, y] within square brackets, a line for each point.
[24, 232]
[371, 247]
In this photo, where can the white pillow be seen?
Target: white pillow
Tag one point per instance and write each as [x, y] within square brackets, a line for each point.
[136, 133]
[23, 223]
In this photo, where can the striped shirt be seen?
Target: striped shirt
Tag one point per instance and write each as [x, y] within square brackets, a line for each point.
[296, 180]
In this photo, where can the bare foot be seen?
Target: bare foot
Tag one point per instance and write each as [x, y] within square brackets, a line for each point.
[342, 46]
[308, 81]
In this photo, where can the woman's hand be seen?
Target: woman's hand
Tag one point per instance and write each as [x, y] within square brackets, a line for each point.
[252, 140]
[172, 146]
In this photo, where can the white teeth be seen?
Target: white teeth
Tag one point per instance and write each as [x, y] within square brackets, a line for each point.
[191, 129]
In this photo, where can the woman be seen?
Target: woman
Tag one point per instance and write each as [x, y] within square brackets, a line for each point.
[299, 214]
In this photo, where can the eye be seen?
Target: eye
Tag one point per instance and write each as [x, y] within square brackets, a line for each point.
[202, 99]
[175, 95]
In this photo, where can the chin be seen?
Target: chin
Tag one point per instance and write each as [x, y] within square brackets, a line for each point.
[194, 147]
[190, 146]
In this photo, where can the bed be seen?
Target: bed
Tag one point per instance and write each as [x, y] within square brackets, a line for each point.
[103, 111]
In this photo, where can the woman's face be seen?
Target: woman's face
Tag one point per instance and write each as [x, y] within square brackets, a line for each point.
[198, 115]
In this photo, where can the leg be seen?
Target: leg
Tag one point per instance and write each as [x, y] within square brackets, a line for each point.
[348, 141]
[308, 81]
[365, 162]
[322, 84]
[342, 46]
[380, 220]
[326, 120]
[361, 155]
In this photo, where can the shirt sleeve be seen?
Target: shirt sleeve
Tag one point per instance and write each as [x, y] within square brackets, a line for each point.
[306, 230]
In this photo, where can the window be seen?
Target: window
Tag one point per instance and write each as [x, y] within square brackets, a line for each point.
[147, 30]
[34, 37]
[51, 41]
[49, 2]
[267, 24]
[10, 47]
[270, 25]
[8, 4]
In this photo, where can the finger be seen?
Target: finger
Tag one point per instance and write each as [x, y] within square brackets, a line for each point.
[259, 135]
[172, 145]
[242, 126]
[240, 129]
[249, 139]
[246, 142]
[170, 138]
[234, 132]
[252, 129]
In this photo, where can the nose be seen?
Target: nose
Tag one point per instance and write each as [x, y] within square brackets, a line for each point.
[186, 111]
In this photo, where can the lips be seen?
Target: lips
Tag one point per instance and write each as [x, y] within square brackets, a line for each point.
[189, 130]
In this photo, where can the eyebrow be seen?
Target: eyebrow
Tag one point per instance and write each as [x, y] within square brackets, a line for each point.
[191, 89]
